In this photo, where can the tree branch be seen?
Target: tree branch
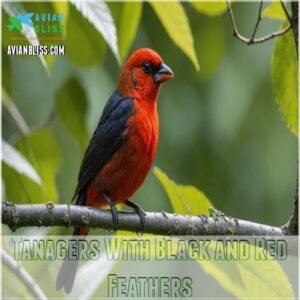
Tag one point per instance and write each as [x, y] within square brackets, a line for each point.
[291, 228]
[285, 11]
[23, 275]
[257, 21]
[294, 22]
[252, 40]
[16, 216]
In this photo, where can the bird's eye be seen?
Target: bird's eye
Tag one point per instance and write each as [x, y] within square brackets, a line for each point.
[147, 67]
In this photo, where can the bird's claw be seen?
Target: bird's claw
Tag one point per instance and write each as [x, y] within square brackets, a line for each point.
[115, 218]
[141, 214]
[114, 213]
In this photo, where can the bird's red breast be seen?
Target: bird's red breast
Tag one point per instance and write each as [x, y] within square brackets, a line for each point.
[127, 169]
[123, 146]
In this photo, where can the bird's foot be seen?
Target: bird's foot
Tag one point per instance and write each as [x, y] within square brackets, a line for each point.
[141, 214]
[114, 213]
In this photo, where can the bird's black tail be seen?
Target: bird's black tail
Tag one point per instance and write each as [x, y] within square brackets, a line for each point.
[66, 275]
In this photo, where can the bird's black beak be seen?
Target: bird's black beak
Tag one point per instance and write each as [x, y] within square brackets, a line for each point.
[163, 73]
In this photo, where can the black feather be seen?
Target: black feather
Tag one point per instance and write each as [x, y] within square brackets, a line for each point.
[66, 275]
[106, 140]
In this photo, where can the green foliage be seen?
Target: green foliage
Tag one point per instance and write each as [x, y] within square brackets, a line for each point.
[5, 33]
[250, 278]
[81, 32]
[176, 23]
[198, 149]
[211, 9]
[212, 106]
[14, 159]
[98, 14]
[274, 11]
[41, 150]
[49, 8]
[127, 25]
[13, 8]
[184, 199]
[62, 7]
[71, 106]
[285, 79]
[83, 23]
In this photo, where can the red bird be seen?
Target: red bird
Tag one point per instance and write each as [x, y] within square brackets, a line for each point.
[123, 145]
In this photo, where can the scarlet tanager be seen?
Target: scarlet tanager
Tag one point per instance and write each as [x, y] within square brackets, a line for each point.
[123, 145]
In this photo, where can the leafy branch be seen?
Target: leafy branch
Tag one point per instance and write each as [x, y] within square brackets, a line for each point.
[292, 226]
[253, 40]
[17, 215]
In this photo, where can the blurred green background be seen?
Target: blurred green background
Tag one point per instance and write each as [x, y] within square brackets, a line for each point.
[220, 129]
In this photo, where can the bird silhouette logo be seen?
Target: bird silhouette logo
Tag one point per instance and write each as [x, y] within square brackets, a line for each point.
[18, 21]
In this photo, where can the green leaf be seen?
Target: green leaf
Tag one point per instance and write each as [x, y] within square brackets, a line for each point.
[13, 8]
[176, 23]
[63, 8]
[128, 25]
[18, 162]
[184, 199]
[210, 9]
[274, 11]
[250, 278]
[285, 79]
[40, 8]
[85, 46]
[98, 14]
[42, 151]
[6, 36]
[71, 106]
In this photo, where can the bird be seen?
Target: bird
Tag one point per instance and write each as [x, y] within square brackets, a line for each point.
[123, 146]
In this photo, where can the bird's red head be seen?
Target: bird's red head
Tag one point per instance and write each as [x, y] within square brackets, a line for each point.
[142, 75]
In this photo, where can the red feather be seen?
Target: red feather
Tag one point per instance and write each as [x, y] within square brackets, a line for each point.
[123, 147]
[125, 173]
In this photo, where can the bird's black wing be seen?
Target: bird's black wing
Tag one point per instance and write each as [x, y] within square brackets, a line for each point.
[106, 140]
